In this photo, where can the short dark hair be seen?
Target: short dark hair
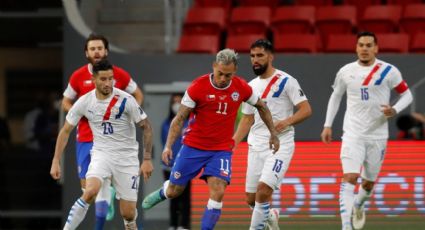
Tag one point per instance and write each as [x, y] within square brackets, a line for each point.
[367, 34]
[102, 65]
[263, 43]
[93, 37]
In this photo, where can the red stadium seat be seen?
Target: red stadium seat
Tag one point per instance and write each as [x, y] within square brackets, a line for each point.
[335, 20]
[381, 18]
[225, 4]
[208, 20]
[393, 43]
[313, 2]
[269, 3]
[413, 19]
[249, 20]
[198, 44]
[361, 5]
[403, 2]
[295, 43]
[242, 42]
[417, 44]
[293, 19]
[341, 43]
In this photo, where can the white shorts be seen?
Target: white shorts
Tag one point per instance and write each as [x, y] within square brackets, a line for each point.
[367, 153]
[125, 179]
[267, 167]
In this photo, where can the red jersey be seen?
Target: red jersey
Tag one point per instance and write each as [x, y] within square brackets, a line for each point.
[215, 110]
[81, 82]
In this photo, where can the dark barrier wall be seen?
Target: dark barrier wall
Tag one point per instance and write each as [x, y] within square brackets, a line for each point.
[315, 73]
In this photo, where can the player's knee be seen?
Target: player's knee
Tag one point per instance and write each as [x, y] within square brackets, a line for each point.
[90, 194]
[173, 193]
[351, 178]
[128, 215]
[368, 185]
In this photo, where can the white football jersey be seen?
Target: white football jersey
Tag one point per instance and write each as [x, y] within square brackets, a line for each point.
[112, 123]
[367, 88]
[281, 93]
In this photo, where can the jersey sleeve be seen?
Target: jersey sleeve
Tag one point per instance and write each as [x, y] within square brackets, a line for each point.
[72, 90]
[294, 92]
[190, 96]
[136, 113]
[339, 85]
[76, 112]
[124, 77]
[251, 97]
[396, 81]
[131, 87]
[247, 109]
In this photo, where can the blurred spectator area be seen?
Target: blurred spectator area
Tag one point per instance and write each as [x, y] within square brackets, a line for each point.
[28, 23]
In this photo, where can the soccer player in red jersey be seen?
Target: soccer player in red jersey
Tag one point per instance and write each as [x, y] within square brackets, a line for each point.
[213, 100]
[80, 83]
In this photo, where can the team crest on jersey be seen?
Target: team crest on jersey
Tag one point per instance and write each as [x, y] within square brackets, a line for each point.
[177, 175]
[275, 87]
[235, 96]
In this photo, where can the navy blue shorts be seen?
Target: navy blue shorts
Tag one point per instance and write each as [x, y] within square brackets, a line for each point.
[190, 161]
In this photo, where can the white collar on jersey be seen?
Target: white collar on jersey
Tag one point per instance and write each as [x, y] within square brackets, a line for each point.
[211, 81]
[90, 68]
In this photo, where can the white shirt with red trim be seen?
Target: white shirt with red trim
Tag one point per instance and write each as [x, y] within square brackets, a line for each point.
[112, 122]
[281, 92]
[367, 88]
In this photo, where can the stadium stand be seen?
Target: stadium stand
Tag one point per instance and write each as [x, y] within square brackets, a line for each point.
[413, 19]
[293, 19]
[393, 43]
[341, 43]
[381, 18]
[205, 20]
[296, 43]
[313, 2]
[269, 3]
[249, 20]
[242, 42]
[198, 44]
[417, 44]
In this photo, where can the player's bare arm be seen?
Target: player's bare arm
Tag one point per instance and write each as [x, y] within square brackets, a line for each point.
[175, 131]
[146, 168]
[67, 103]
[138, 95]
[303, 112]
[266, 116]
[244, 125]
[61, 142]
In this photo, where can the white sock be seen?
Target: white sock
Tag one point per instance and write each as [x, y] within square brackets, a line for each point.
[131, 224]
[165, 187]
[346, 200]
[362, 197]
[77, 214]
[259, 215]
[212, 204]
